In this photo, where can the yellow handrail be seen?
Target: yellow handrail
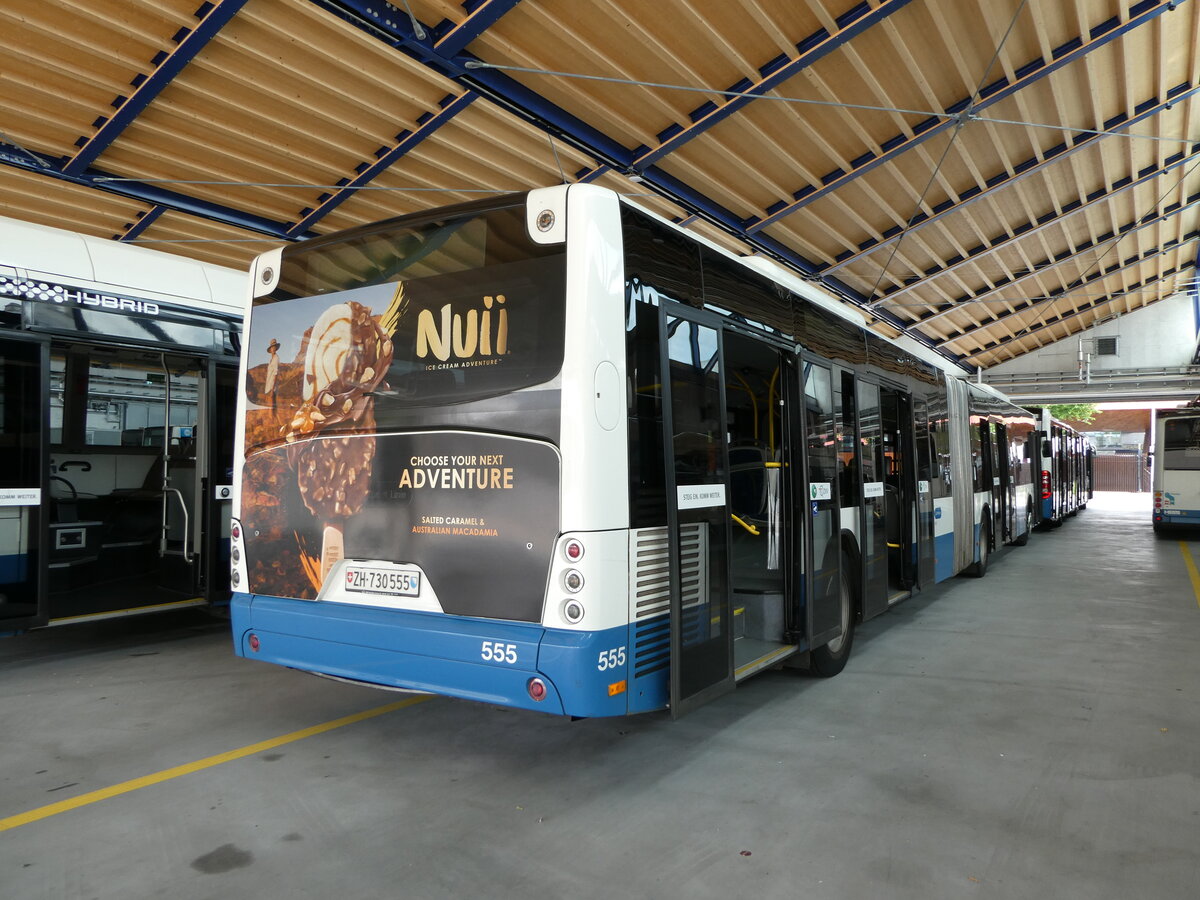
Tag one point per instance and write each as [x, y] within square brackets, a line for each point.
[750, 528]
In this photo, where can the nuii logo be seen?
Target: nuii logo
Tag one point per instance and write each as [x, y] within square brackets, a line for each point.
[475, 332]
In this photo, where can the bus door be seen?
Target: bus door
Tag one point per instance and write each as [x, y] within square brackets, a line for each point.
[1003, 489]
[824, 560]
[23, 389]
[989, 477]
[925, 521]
[696, 479]
[899, 497]
[215, 445]
[875, 507]
[127, 478]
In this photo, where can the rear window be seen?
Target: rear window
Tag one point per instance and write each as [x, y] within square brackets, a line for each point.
[1181, 443]
[411, 315]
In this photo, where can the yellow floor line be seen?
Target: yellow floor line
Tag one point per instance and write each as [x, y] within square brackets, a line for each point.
[44, 812]
[1191, 567]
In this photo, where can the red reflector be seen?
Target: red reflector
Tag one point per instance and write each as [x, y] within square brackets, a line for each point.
[574, 550]
[253, 642]
[236, 531]
[537, 689]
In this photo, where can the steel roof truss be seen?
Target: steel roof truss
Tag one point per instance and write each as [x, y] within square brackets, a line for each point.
[1054, 217]
[1066, 256]
[961, 110]
[1034, 164]
[1084, 281]
[1089, 307]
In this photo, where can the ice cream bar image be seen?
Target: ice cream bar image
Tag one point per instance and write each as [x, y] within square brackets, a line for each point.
[347, 357]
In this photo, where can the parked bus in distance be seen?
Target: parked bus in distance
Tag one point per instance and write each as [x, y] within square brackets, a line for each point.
[1067, 459]
[118, 368]
[1176, 474]
[552, 452]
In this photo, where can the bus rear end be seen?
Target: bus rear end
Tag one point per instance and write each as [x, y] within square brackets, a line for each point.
[401, 517]
[1177, 468]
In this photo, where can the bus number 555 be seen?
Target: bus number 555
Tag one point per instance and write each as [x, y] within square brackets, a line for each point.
[611, 659]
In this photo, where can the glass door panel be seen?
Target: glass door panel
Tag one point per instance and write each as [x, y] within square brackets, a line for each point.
[696, 473]
[22, 486]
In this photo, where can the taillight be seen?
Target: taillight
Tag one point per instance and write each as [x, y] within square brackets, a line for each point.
[253, 642]
[573, 550]
[1045, 485]
[537, 689]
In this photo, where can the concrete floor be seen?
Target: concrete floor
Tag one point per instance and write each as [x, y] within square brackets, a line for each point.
[1032, 734]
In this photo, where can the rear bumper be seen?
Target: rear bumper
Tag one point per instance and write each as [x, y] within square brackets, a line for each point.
[486, 660]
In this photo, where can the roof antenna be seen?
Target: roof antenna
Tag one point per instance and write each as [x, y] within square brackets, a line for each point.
[557, 161]
[416, 26]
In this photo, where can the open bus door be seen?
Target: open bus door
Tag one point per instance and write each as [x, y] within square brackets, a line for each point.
[129, 462]
[23, 388]
[696, 476]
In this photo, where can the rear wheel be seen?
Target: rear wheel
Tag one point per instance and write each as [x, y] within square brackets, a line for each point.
[1024, 538]
[979, 567]
[827, 661]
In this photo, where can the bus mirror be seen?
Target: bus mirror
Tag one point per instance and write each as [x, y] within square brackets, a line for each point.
[1045, 448]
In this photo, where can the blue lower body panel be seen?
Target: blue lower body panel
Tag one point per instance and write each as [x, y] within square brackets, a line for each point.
[491, 661]
[1177, 517]
[943, 548]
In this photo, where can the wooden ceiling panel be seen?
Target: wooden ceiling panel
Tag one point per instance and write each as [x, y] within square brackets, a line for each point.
[932, 223]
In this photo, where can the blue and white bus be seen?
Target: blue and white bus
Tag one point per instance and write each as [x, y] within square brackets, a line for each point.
[1065, 479]
[118, 367]
[552, 452]
[1176, 473]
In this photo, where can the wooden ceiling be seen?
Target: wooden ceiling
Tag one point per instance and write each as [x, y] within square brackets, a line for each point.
[989, 176]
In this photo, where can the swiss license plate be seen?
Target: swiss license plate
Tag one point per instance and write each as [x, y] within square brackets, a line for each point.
[383, 581]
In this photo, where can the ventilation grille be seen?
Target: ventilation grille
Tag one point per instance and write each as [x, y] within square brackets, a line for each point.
[1106, 346]
[650, 594]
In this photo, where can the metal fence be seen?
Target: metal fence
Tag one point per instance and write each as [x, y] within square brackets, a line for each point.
[1120, 472]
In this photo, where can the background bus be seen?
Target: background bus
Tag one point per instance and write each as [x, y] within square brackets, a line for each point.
[1176, 477]
[552, 452]
[115, 464]
[1066, 459]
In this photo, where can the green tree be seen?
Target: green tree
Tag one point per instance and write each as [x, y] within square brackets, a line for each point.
[1074, 412]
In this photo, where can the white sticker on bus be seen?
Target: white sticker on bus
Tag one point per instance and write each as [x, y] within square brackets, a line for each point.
[20, 496]
[698, 496]
[922, 487]
[821, 491]
[872, 488]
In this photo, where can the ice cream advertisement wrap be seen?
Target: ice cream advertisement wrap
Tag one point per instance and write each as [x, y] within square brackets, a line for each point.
[348, 458]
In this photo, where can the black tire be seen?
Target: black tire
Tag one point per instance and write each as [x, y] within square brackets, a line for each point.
[978, 568]
[1024, 538]
[830, 659]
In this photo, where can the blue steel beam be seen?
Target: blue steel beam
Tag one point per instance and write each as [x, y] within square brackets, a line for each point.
[962, 110]
[453, 39]
[168, 65]
[151, 194]
[1052, 218]
[1031, 166]
[1089, 307]
[1075, 285]
[145, 220]
[385, 157]
[1067, 256]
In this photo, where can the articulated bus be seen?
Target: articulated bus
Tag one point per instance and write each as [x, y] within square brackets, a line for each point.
[552, 452]
[1176, 478]
[1066, 469]
[118, 372]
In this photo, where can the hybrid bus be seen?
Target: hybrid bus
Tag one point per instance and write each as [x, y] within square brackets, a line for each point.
[552, 452]
[1176, 473]
[118, 367]
[1065, 480]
